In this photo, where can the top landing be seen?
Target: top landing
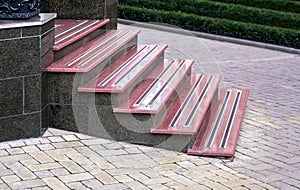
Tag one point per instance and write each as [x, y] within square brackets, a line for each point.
[38, 20]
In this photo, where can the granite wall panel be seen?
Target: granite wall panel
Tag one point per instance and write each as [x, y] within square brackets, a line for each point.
[11, 97]
[25, 126]
[10, 33]
[32, 94]
[24, 49]
[20, 57]
[75, 9]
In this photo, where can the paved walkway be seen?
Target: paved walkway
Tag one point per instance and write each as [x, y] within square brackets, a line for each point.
[267, 156]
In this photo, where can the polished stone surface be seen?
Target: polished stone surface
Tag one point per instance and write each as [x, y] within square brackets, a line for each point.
[25, 47]
[20, 127]
[32, 93]
[76, 9]
[38, 20]
[20, 57]
[11, 97]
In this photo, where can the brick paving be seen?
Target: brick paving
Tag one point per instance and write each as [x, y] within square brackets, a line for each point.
[268, 151]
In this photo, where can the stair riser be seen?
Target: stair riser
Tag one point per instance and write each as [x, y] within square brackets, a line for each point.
[141, 135]
[79, 43]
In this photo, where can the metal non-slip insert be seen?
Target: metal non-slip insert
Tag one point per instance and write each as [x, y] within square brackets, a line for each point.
[186, 101]
[199, 100]
[70, 28]
[138, 101]
[216, 125]
[135, 68]
[151, 99]
[99, 44]
[230, 120]
[118, 70]
[77, 31]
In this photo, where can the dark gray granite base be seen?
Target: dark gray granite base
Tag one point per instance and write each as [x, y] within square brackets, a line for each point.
[19, 127]
[24, 44]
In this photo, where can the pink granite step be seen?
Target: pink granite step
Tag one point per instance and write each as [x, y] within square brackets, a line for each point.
[68, 31]
[126, 70]
[150, 98]
[95, 52]
[187, 112]
[219, 132]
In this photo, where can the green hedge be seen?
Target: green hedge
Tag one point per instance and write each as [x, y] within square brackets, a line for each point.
[274, 35]
[281, 5]
[223, 10]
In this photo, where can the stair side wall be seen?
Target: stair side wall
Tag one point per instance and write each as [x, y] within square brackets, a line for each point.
[25, 51]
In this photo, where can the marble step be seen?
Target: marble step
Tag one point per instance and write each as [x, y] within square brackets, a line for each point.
[105, 48]
[133, 66]
[218, 134]
[188, 111]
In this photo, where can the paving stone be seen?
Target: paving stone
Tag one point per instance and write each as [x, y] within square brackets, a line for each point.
[3, 153]
[77, 186]
[17, 143]
[97, 141]
[154, 181]
[83, 137]
[67, 144]
[29, 149]
[113, 146]
[6, 172]
[27, 184]
[20, 170]
[14, 151]
[78, 158]
[4, 146]
[104, 178]
[72, 167]
[55, 139]
[47, 166]
[158, 187]
[43, 174]
[41, 188]
[135, 185]
[3, 186]
[10, 178]
[60, 172]
[45, 147]
[114, 186]
[70, 137]
[55, 183]
[75, 177]
[93, 184]
[14, 158]
[30, 162]
[123, 178]
[133, 150]
[41, 157]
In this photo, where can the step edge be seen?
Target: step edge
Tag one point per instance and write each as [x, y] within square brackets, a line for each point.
[145, 111]
[90, 67]
[177, 130]
[122, 89]
[57, 47]
[231, 150]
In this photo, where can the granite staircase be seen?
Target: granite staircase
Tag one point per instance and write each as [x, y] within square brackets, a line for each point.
[103, 83]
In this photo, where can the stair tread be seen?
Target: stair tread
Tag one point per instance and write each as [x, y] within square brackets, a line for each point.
[118, 76]
[90, 55]
[188, 111]
[218, 135]
[159, 90]
[68, 31]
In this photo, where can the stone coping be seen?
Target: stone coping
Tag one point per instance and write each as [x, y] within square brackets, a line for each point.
[38, 20]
